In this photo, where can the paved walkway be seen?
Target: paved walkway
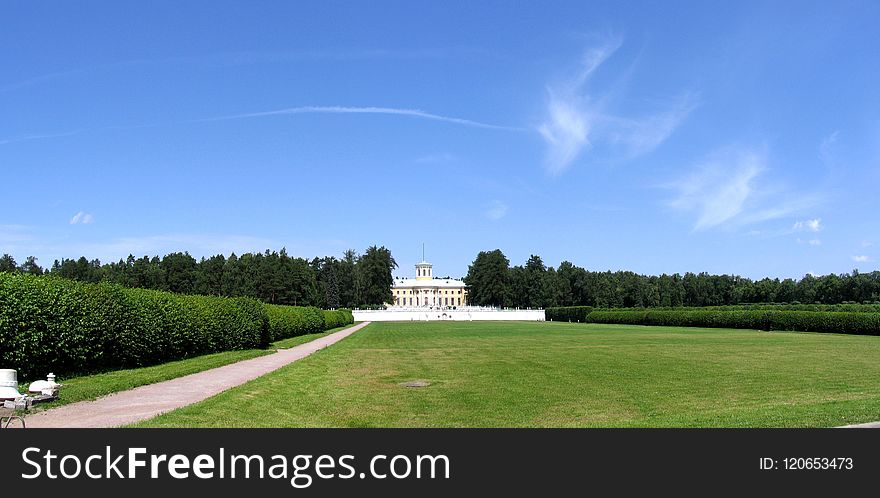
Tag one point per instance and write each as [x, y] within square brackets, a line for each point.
[145, 402]
[869, 425]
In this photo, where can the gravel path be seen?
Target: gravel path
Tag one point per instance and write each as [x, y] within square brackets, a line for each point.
[869, 425]
[145, 402]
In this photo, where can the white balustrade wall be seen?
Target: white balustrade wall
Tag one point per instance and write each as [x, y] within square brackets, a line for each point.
[462, 315]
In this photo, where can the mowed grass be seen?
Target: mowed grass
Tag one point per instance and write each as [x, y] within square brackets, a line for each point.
[91, 387]
[302, 339]
[514, 374]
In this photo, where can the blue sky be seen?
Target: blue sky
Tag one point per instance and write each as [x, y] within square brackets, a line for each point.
[728, 137]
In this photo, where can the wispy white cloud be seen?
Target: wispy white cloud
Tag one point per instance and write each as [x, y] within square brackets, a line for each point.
[867, 243]
[861, 259]
[720, 187]
[576, 120]
[813, 225]
[812, 242]
[641, 135]
[496, 210]
[25, 138]
[594, 57]
[565, 133]
[779, 208]
[9, 86]
[415, 113]
[567, 125]
[723, 190]
[82, 218]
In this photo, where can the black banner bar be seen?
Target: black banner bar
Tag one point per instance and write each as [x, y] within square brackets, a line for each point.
[515, 461]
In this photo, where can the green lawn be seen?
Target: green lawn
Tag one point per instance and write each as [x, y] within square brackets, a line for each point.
[511, 374]
[94, 386]
[91, 387]
[302, 339]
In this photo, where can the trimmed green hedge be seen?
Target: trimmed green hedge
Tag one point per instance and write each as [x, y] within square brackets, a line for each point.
[567, 313]
[290, 321]
[337, 318]
[847, 307]
[62, 326]
[864, 323]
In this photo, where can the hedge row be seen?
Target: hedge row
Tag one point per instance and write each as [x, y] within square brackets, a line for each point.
[337, 318]
[65, 327]
[290, 321]
[863, 323]
[847, 307]
[567, 313]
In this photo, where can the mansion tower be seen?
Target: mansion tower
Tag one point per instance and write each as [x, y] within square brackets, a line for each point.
[425, 291]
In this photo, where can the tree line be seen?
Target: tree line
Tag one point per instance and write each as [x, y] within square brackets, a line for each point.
[272, 276]
[365, 280]
[491, 281]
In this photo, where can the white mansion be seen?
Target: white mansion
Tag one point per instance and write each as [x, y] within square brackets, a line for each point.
[425, 291]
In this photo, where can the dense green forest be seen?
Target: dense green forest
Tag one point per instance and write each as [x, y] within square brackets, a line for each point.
[273, 277]
[492, 281]
[365, 280]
